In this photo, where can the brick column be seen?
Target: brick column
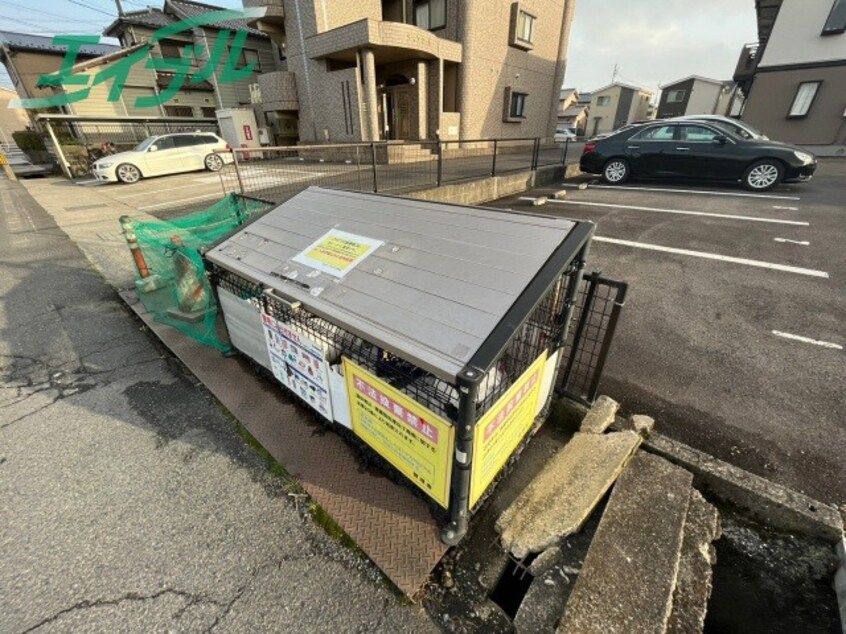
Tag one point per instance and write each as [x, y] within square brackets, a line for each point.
[371, 112]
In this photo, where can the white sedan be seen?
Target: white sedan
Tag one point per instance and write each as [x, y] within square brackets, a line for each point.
[564, 134]
[165, 154]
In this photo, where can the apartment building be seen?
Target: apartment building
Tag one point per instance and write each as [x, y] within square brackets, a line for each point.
[28, 57]
[416, 69]
[695, 95]
[572, 114]
[617, 104]
[197, 99]
[794, 77]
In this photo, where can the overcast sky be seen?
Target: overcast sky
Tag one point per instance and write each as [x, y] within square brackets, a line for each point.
[657, 41]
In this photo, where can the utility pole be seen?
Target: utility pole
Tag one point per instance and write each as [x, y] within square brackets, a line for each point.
[614, 75]
[119, 8]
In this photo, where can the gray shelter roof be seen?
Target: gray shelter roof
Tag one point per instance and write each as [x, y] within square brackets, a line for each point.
[444, 278]
[25, 41]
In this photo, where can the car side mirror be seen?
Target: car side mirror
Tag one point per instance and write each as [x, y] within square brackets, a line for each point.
[153, 148]
[720, 140]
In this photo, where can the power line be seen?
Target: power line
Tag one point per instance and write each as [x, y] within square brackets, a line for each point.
[88, 6]
[55, 15]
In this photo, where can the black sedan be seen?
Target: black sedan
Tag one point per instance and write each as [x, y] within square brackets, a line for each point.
[695, 150]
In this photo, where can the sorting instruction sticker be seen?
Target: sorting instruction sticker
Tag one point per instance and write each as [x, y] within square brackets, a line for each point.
[337, 252]
[298, 363]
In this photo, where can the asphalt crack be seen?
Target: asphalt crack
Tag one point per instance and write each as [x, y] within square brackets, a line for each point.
[193, 599]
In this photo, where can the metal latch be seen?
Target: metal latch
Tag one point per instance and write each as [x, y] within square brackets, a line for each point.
[291, 304]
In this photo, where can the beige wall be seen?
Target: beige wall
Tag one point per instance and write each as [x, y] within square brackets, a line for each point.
[796, 35]
[490, 65]
[11, 119]
[640, 106]
[605, 114]
[704, 98]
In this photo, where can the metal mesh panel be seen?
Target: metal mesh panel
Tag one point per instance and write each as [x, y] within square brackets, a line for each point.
[597, 310]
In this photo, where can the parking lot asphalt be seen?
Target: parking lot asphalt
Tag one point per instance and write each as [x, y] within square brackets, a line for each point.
[733, 333]
[129, 501]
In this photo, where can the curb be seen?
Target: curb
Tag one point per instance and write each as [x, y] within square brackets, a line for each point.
[774, 504]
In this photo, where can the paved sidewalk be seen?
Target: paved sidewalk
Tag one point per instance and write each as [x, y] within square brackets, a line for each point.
[129, 501]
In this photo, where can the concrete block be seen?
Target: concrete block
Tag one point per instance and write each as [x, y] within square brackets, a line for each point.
[543, 604]
[693, 587]
[545, 561]
[559, 500]
[840, 582]
[583, 186]
[640, 424]
[600, 416]
[773, 504]
[628, 577]
[561, 194]
[540, 201]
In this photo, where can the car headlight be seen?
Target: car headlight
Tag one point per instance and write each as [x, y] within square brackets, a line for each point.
[100, 166]
[804, 157]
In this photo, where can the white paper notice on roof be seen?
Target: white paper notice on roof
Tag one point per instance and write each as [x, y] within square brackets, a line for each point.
[337, 252]
[298, 363]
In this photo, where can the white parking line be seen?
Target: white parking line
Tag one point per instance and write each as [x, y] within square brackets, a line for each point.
[170, 189]
[803, 243]
[715, 256]
[785, 208]
[174, 203]
[695, 191]
[824, 344]
[777, 221]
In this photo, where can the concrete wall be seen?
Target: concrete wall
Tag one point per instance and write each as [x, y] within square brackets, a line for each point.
[796, 38]
[772, 95]
[490, 65]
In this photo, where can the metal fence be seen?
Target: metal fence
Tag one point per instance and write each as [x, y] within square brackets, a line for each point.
[588, 342]
[274, 174]
[78, 141]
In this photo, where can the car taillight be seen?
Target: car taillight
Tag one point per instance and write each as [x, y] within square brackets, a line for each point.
[589, 147]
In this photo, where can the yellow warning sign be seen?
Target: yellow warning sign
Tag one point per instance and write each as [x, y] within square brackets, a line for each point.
[503, 426]
[412, 438]
[337, 252]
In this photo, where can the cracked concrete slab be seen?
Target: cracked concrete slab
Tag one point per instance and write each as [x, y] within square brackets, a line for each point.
[565, 493]
[628, 577]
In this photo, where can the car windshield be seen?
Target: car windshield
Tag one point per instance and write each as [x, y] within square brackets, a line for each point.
[732, 129]
[142, 147]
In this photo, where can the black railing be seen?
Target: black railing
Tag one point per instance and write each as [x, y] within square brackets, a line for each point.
[275, 174]
[585, 352]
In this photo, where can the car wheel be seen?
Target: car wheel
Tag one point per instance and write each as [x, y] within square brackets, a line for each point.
[763, 175]
[128, 173]
[616, 171]
[214, 163]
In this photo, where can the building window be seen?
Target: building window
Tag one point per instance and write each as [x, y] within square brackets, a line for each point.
[430, 14]
[804, 99]
[179, 111]
[675, 96]
[836, 22]
[518, 105]
[208, 112]
[525, 27]
[522, 30]
[250, 56]
[172, 49]
[605, 100]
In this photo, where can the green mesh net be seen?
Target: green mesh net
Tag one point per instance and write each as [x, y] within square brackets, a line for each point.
[174, 286]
